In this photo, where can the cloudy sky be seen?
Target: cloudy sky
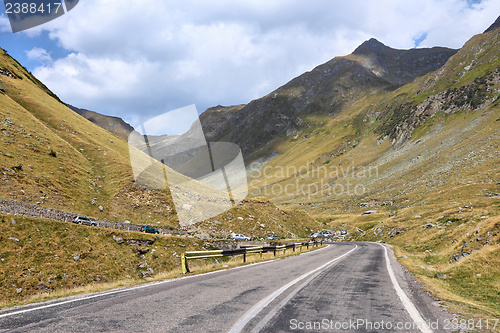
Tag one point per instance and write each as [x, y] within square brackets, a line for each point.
[140, 58]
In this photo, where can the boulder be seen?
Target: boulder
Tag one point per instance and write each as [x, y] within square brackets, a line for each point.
[119, 240]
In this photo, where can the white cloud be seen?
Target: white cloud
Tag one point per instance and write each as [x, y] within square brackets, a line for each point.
[4, 24]
[137, 59]
[39, 54]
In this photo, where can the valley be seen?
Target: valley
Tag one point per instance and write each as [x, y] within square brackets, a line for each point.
[395, 146]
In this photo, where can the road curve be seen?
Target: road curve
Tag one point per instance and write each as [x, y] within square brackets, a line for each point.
[345, 287]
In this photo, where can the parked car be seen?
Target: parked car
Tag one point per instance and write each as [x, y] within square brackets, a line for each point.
[149, 230]
[84, 220]
[272, 237]
[240, 237]
[343, 232]
[317, 235]
[328, 234]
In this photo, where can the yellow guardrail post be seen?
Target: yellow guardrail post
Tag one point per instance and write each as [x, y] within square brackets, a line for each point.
[260, 252]
[184, 264]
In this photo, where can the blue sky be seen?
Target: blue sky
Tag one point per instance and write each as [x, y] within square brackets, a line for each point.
[138, 59]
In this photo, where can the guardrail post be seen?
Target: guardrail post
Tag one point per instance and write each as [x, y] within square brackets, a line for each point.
[184, 264]
[245, 256]
[275, 251]
[261, 252]
[293, 247]
[284, 250]
[307, 245]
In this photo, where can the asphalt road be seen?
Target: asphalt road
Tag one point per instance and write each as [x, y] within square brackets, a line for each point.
[345, 287]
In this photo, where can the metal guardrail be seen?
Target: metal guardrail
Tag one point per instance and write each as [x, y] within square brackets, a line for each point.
[241, 251]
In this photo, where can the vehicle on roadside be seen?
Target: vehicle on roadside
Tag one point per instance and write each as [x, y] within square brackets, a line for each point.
[84, 220]
[150, 230]
[317, 235]
[272, 237]
[328, 234]
[240, 237]
[343, 232]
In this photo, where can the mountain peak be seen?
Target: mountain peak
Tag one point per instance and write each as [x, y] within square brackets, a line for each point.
[370, 46]
[494, 26]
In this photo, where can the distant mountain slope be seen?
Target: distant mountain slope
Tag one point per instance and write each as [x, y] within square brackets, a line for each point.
[428, 144]
[327, 89]
[215, 120]
[114, 125]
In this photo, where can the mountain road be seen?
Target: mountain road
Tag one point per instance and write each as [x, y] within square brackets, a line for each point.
[344, 287]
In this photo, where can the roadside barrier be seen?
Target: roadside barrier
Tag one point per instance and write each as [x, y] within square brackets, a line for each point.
[190, 255]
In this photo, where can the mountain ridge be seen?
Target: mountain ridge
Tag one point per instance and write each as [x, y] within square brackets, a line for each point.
[115, 125]
[327, 89]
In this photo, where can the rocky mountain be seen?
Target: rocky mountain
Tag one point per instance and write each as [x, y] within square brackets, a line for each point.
[215, 119]
[327, 89]
[115, 125]
[425, 145]
[399, 66]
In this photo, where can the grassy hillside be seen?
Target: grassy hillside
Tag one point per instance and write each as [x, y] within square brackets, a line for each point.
[44, 256]
[56, 158]
[454, 250]
[258, 217]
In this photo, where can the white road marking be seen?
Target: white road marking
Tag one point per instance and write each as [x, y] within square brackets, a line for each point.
[123, 290]
[56, 303]
[256, 309]
[412, 310]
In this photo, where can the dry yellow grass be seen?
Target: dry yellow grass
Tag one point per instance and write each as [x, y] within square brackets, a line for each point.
[43, 259]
